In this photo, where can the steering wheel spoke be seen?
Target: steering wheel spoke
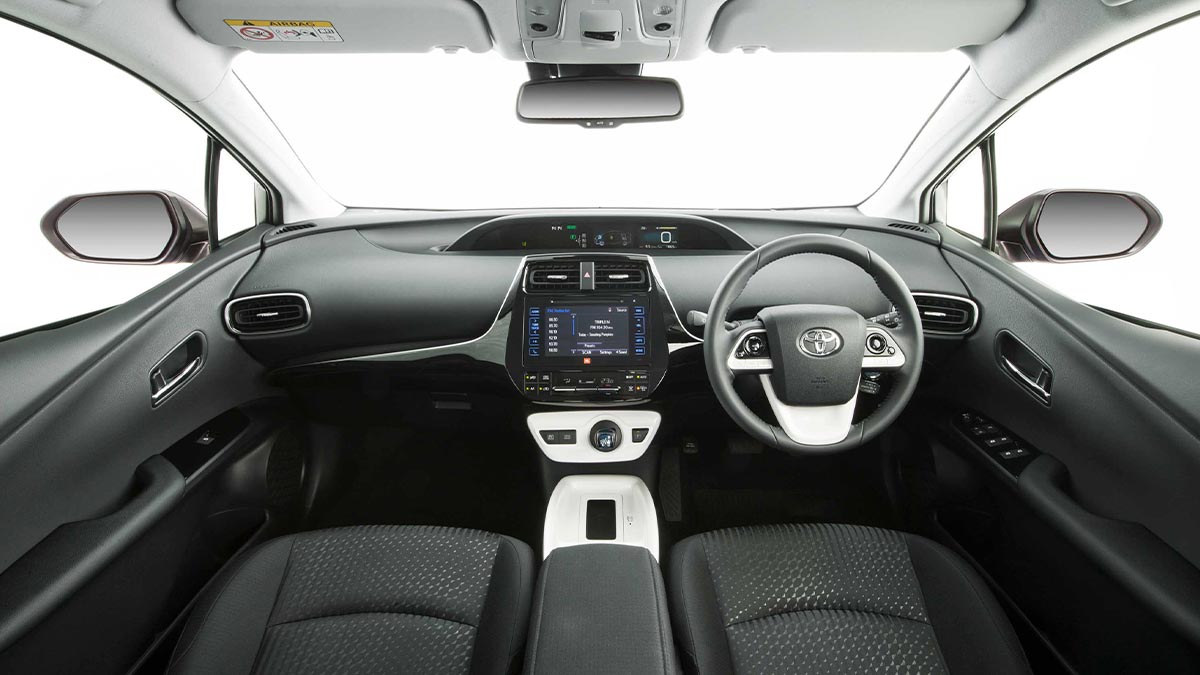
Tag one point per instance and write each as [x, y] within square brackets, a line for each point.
[811, 424]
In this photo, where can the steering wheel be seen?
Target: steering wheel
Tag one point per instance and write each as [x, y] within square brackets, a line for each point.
[810, 358]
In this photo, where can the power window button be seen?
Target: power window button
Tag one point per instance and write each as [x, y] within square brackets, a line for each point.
[1013, 453]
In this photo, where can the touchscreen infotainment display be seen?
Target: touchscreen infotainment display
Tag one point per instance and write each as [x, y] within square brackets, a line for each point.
[587, 332]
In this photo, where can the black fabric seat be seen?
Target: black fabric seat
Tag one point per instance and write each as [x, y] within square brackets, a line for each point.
[834, 599]
[365, 600]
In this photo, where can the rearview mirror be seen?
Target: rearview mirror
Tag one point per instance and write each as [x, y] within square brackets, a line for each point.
[600, 102]
[132, 228]
[1076, 226]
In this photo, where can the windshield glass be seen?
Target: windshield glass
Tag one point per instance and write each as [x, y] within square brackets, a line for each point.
[758, 130]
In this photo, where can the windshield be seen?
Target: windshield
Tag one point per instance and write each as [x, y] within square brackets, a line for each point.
[758, 130]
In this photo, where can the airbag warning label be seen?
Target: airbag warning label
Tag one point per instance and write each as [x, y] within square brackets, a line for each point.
[255, 30]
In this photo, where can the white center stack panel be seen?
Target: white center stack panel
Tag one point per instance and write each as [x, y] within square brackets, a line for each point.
[601, 510]
[576, 436]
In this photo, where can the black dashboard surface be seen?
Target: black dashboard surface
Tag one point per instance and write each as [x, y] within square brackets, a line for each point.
[380, 281]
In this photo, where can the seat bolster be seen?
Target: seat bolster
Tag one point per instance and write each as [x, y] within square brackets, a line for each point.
[698, 625]
[972, 631]
[227, 625]
[500, 639]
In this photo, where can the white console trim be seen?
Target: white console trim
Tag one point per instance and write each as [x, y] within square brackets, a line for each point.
[581, 422]
[566, 513]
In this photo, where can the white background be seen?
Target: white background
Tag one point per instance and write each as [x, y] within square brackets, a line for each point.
[439, 131]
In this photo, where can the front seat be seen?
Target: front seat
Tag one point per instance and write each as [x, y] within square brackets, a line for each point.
[378, 599]
[834, 599]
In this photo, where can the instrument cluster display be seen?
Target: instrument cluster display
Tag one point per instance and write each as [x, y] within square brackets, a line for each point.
[591, 234]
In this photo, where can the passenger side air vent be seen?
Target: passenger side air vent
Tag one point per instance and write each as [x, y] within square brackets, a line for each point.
[293, 228]
[622, 276]
[272, 313]
[947, 314]
[552, 277]
[911, 227]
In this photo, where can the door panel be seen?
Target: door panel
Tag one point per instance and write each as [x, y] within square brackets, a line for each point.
[82, 482]
[1109, 495]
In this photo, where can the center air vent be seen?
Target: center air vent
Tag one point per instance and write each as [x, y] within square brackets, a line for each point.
[947, 314]
[622, 276]
[553, 277]
[267, 313]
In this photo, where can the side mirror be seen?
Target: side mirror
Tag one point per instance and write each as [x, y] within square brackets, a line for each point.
[1076, 226]
[131, 228]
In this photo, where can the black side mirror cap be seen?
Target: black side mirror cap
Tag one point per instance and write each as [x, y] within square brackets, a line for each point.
[1076, 226]
[127, 228]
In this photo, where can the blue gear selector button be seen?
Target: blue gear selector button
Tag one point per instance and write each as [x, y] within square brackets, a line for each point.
[605, 436]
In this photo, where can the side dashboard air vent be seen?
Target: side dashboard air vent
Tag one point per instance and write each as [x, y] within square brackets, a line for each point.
[947, 314]
[551, 276]
[293, 228]
[911, 227]
[272, 313]
[622, 276]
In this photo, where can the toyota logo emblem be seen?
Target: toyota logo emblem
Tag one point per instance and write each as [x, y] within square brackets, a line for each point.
[820, 342]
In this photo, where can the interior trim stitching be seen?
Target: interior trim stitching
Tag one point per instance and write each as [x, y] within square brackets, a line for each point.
[504, 541]
[658, 618]
[814, 610]
[233, 572]
[997, 625]
[370, 613]
[262, 640]
[712, 581]
[924, 605]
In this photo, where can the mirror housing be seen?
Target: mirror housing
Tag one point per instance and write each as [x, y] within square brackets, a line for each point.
[600, 102]
[127, 228]
[1063, 226]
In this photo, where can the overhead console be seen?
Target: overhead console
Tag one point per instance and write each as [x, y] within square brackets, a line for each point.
[617, 31]
[589, 328]
[593, 232]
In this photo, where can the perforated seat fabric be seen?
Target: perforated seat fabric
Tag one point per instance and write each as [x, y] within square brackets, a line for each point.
[834, 599]
[381, 599]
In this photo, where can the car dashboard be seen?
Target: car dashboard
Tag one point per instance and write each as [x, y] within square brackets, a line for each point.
[568, 308]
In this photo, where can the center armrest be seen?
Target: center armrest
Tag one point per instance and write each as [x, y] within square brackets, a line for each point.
[602, 605]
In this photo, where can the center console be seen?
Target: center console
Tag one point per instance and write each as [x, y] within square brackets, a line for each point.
[589, 329]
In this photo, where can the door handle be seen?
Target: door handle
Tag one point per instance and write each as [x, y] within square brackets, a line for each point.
[177, 367]
[1039, 384]
[1024, 365]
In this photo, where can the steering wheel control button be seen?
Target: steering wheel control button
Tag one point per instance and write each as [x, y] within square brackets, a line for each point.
[755, 345]
[876, 344]
[820, 342]
[640, 434]
[606, 436]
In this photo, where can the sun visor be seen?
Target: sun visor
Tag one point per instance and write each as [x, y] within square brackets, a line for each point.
[860, 25]
[307, 26]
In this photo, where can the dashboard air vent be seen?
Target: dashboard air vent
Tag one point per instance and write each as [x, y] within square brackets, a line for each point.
[552, 277]
[293, 228]
[273, 313]
[622, 276]
[947, 314]
[911, 227]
